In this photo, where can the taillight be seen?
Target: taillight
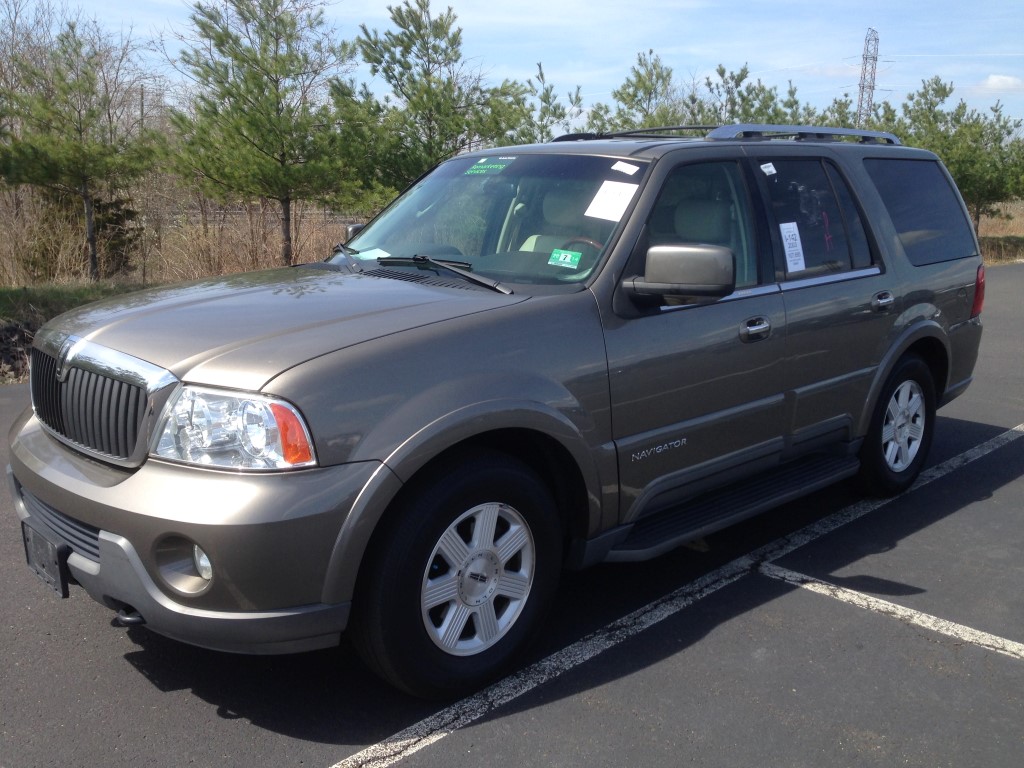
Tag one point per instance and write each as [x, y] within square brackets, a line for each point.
[979, 292]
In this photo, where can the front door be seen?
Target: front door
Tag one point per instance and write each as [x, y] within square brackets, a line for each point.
[697, 390]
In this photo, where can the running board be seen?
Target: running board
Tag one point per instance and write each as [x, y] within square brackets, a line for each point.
[661, 532]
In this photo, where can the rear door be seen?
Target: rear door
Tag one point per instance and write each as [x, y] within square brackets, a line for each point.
[841, 304]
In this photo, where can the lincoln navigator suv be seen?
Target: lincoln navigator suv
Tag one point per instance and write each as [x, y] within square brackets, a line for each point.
[536, 358]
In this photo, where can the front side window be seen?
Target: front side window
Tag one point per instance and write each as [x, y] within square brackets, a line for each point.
[815, 218]
[531, 218]
[707, 203]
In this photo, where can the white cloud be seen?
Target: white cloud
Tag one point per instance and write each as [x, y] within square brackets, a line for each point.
[1001, 83]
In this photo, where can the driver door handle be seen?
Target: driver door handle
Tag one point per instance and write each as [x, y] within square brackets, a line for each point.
[755, 329]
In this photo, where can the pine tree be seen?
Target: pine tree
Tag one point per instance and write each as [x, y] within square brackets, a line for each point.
[442, 105]
[71, 128]
[259, 123]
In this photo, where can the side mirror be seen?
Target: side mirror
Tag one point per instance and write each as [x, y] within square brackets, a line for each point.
[352, 230]
[686, 270]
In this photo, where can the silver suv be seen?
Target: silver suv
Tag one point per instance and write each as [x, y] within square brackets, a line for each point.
[536, 358]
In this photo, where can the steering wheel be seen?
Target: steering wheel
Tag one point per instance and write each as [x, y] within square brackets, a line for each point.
[584, 240]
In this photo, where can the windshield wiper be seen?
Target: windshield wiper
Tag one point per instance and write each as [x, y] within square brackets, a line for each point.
[347, 252]
[460, 268]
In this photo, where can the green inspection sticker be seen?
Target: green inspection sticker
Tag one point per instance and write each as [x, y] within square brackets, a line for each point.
[489, 165]
[567, 259]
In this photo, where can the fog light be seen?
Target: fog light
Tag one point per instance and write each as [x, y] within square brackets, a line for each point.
[183, 566]
[203, 564]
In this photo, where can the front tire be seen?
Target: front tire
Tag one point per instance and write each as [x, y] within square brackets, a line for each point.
[902, 425]
[459, 577]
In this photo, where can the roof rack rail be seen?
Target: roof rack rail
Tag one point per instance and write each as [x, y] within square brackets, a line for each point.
[798, 132]
[753, 131]
[579, 137]
[663, 129]
[634, 133]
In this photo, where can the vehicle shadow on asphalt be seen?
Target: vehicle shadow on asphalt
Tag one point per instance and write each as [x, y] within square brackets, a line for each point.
[322, 696]
[330, 697]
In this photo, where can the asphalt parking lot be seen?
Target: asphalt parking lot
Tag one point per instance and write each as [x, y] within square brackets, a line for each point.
[882, 634]
[835, 631]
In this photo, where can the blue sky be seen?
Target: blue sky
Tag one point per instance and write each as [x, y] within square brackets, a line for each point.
[979, 47]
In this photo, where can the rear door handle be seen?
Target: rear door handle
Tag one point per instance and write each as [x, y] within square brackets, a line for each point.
[755, 329]
[882, 301]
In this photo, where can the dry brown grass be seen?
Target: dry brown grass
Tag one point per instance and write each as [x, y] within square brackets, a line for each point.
[217, 242]
[1002, 237]
[37, 246]
[1012, 225]
[184, 238]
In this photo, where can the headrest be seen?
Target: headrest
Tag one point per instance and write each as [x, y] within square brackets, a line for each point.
[561, 208]
[703, 221]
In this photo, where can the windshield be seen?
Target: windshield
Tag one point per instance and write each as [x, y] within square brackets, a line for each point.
[531, 218]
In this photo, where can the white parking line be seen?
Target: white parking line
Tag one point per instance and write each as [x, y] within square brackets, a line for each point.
[934, 623]
[434, 728]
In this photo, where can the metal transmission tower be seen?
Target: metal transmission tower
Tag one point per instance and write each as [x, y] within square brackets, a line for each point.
[866, 99]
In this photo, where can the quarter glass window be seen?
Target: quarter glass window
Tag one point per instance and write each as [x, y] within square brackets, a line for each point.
[925, 210]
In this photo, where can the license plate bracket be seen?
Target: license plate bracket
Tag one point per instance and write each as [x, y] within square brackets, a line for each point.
[47, 558]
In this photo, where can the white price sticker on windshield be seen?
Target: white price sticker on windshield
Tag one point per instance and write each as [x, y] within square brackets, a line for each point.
[611, 200]
[627, 168]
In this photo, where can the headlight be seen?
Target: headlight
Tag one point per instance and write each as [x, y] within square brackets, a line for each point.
[235, 430]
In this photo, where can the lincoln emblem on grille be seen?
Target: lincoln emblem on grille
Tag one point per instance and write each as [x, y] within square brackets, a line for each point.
[65, 357]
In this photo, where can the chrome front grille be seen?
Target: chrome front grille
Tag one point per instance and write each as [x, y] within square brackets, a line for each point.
[96, 399]
[91, 410]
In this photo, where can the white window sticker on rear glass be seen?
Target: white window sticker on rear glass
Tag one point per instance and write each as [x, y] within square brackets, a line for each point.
[793, 247]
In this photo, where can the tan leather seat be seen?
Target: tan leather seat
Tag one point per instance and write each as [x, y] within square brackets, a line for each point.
[563, 220]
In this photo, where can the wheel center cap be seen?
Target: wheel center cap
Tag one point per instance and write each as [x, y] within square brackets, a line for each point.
[902, 425]
[478, 578]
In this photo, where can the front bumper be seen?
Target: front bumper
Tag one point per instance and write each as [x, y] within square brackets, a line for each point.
[271, 538]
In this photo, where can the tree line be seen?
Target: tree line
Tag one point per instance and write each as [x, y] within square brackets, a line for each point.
[109, 165]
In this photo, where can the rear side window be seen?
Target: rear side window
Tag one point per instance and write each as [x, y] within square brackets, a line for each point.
[816, 219]
[924, 208]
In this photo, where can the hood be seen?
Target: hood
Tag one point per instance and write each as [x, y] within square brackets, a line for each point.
[241, 331]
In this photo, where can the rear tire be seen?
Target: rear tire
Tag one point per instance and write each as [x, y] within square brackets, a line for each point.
[900, 435]
[459, 577]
